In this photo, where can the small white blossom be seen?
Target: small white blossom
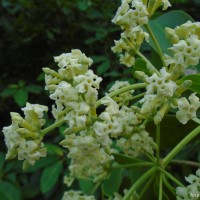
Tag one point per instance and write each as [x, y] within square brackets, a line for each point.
[76, 195]
[72, 64]
[78, 114]
[166, 4]
[127, 59]
[87, 81]
[192, 190]
[186, 52]
[187, 109]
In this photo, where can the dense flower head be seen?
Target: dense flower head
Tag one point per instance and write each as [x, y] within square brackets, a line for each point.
[186, 52]
[70, 65]
[138, 143]
[159, 91]
[76, 195]
[183, 31]
[88, 158]
[23, 138]
[186, 47]
[129, 16]
[115, 120]
[192, 190]
[75, 89]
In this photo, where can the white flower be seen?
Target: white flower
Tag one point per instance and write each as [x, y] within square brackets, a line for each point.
[76, 195]
[166, 4]
[120, 12]
[192, 190]
[186, 52]
[184, 31]
[87, 81]
[137, 144]
[187, 110]
[23, 138]
[127, 59]
[88, 157]
[30, 151]
[78, 114]
[162, 85]
[140, 12]
[72, 64]
[35, 113]
[64, 93]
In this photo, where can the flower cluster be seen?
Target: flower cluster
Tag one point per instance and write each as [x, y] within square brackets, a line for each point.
[159, 92]
[23, 138]
[76, 195]
[192, 190]
[131, 16]
[122, 123]
[88, 157]
[187, 110]
[186, 47]
[89, 137]
[73, 88]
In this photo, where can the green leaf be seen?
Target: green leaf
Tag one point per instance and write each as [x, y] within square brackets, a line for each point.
[83, 4]
[86, 185]
[112, 184]
[172, 131]
[173, 18]
[21, 97]
[50, 176]
[2, 161]
[36, 89]
[53, 149]
[43, 162]
[8, 191]
[8, 92]
[140, 65]
[103, 67]
[159, 33]
[195, 78]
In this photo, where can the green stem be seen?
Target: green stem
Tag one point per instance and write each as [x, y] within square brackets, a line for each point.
[180, 146]
[197, 120]
[95, 188]
[144, 58]
[142, 164]
[138, 183]
[151, 157]
[160, 53]
[145, 188]
[74, 129]
[136, 96]
[167, 184]
[158, 142]
[186, 162]
[160, 186]
[172, 178]
[122, 90]
[52, 126]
